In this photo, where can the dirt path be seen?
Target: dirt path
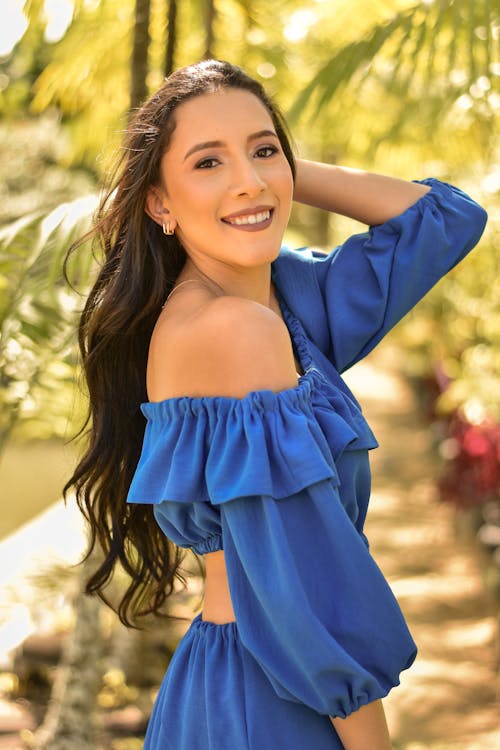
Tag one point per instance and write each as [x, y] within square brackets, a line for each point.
[446, 701]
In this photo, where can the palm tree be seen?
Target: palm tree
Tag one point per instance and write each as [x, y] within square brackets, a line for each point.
[70, 721]
[172, 37]
[209, 22]
[434, 64]
[139, 62]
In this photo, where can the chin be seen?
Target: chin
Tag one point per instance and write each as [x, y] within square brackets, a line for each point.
[259, 257]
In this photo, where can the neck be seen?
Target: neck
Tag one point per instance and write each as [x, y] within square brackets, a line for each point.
[249, 283]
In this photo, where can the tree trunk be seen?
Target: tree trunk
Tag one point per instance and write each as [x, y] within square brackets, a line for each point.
[139, 64]
[210, 14]
[70, 719]
[171, 37]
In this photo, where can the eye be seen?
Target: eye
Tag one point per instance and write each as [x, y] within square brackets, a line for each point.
[208, 163]
[264, 152]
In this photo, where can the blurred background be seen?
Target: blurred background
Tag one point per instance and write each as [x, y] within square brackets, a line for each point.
[400, 87]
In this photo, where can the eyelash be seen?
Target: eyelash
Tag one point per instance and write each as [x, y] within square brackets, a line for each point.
[272, 149]
[202, 164]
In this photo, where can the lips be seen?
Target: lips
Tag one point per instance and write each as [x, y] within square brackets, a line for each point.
[259, 216]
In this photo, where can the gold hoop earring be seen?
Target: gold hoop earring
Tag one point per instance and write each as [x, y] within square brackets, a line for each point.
[167, 229]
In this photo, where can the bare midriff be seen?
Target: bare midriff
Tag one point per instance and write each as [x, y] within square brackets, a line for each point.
[217, 605]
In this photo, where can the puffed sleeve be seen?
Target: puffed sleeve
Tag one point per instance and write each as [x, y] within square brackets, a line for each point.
[350, 298]
[311, 605]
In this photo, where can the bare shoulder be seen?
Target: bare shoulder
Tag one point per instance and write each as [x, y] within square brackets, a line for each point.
[225, 346]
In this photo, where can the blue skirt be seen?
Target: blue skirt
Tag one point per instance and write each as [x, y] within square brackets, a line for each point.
[215, 696]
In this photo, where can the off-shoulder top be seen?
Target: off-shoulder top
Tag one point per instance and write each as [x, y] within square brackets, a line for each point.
[281, 480]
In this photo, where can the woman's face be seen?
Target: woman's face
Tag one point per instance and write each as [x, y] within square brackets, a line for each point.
[225, 181]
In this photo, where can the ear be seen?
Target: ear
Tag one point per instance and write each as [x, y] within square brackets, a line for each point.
[157, 209]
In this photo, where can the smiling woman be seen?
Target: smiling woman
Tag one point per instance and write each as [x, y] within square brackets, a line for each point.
[220, 422]
[237, 182]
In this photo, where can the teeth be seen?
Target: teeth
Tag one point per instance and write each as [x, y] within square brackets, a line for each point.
[251, 218]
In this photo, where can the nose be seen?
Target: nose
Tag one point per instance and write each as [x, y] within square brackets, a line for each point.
[247, 179]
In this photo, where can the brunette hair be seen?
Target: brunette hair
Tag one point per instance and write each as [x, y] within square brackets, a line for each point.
[140, 266]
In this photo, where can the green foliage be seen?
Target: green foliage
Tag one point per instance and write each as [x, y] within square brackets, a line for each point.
[87, 79]
[31, 175]
[37, 318]
[400, 72]
[18, 71]
[426, 74]
[426, 51]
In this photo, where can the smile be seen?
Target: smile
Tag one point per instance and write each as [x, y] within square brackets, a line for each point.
[257, 218]
[260, 219]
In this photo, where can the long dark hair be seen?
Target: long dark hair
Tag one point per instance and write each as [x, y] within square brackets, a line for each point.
[140, 266]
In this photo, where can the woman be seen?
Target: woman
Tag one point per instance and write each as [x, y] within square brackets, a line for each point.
[254, 452]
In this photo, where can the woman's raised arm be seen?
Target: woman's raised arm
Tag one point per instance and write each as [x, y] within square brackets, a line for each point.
[367, 197]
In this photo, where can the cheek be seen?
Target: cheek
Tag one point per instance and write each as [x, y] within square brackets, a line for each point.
[284, 182]
[191, 199]
[283, 173]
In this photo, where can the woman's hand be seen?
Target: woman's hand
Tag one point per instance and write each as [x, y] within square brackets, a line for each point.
[367, 197]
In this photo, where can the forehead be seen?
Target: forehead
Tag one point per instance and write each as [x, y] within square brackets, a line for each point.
[222, 115]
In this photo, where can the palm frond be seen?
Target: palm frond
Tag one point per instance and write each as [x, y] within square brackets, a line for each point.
[37, 314]
[429, 52]
[345, 63]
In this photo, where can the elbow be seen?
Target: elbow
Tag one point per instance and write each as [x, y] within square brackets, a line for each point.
[477, 220]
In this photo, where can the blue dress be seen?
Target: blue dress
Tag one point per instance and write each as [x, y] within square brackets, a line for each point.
[281, 482]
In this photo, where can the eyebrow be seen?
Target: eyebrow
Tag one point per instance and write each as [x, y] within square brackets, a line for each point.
[219, 144]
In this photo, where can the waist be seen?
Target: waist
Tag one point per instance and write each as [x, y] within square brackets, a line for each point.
[217, 605]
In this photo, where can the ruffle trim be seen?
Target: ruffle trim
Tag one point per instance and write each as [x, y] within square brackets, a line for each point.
[215, 449]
